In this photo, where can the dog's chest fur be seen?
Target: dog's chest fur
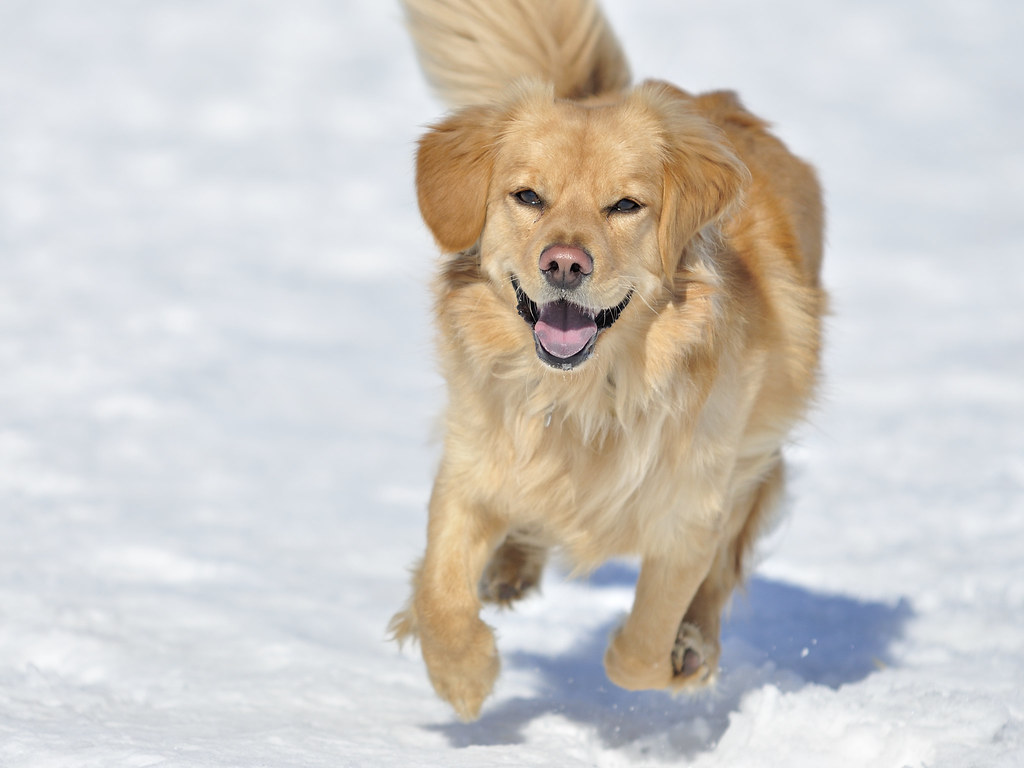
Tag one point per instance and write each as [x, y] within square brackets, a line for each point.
[565, 465]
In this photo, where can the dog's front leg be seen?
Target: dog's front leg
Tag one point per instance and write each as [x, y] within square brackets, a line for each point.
[458, 647]
[639, 656]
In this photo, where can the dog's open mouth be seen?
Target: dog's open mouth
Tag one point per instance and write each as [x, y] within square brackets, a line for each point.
[565, 333]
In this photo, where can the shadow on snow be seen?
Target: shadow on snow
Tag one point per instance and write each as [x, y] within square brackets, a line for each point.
[776, 634]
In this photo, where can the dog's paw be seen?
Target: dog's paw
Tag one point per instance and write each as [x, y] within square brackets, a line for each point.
[629, 671]
[694, 659]
[463, 673]
[506, 588]
[512, 573]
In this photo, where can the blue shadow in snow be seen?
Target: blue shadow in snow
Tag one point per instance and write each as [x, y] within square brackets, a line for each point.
[776, 633]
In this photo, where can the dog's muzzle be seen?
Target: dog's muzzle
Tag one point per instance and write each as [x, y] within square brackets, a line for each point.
[565, 333]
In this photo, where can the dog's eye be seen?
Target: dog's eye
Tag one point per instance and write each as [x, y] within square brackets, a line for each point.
[527, 197]
[625, 205]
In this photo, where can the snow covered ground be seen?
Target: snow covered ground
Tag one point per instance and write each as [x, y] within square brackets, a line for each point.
[217, 397]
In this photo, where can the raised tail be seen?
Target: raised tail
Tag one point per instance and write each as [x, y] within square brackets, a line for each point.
[471, 49]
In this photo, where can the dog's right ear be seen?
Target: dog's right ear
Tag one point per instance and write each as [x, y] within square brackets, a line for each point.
[453, 173]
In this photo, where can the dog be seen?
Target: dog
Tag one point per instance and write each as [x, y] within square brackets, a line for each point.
[629, 311]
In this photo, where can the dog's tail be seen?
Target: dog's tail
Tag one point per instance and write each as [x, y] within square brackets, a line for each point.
[471, 49]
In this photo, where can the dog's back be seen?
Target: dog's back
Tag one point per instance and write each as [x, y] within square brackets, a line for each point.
[471, 49]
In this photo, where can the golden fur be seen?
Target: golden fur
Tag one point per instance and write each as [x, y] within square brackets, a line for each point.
[665, 443]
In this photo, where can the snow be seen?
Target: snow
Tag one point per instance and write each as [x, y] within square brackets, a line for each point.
[217, 401]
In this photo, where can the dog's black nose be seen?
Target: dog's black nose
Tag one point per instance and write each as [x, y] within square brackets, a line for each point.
[565, 266]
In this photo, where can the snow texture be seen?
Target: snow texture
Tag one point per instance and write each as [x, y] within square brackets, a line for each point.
[217, 398]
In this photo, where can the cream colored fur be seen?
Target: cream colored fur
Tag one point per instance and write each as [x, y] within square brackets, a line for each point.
[471, 49]
[666, 443]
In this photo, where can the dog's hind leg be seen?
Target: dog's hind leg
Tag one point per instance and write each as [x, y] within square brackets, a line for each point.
[514, 570]
[697, 648]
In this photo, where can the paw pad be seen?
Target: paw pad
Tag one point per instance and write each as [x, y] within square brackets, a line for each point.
[689, 658]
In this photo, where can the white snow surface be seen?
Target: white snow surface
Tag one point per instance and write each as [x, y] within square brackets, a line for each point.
[217, 401]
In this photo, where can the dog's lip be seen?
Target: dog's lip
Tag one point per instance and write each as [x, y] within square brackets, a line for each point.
[602, 319]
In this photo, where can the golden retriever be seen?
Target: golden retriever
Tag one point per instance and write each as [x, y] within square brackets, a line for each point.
[628, 307]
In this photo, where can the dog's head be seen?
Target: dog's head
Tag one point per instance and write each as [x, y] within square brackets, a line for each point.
[577, 207]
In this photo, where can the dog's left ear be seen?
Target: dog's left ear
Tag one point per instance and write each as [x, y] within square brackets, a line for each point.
[703, 178]
[453, 173]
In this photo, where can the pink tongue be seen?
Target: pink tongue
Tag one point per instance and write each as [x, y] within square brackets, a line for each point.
[563, 329]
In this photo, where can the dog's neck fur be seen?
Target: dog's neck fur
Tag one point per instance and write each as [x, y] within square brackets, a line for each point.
[625, 387]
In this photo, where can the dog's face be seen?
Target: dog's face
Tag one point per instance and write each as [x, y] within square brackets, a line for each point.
[578, 208]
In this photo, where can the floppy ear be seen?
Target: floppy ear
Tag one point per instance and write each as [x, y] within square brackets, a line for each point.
[703, 178]
[701, 184]
[453, 172]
